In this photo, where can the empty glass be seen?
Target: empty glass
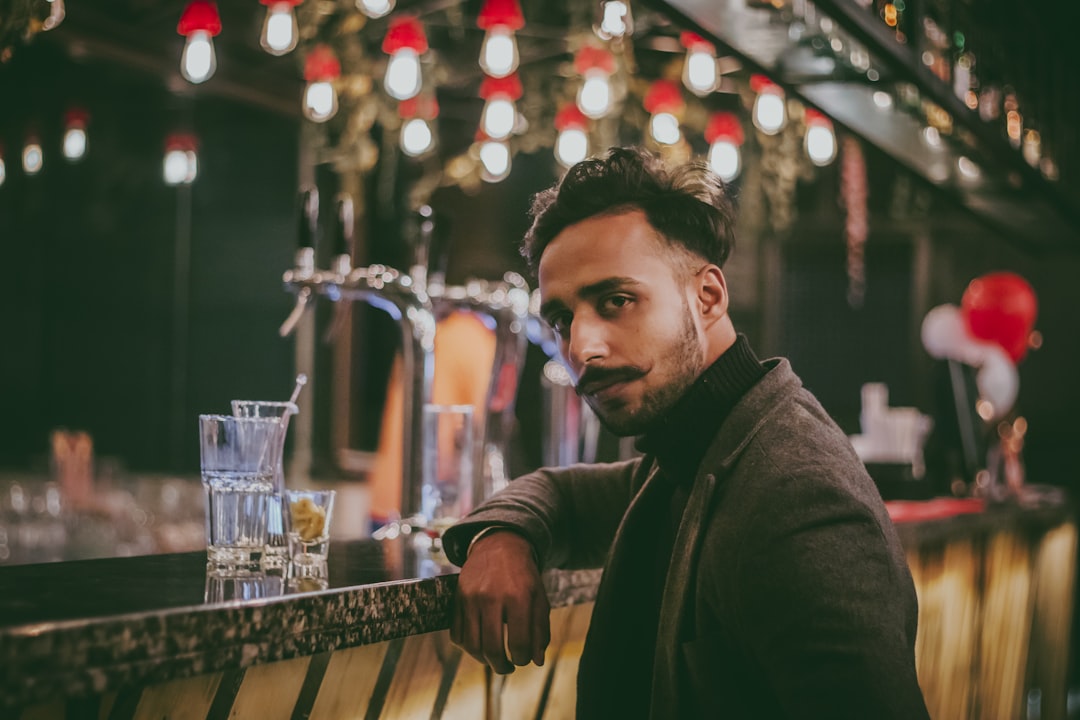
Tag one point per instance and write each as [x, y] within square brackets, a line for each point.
[448, 487]
[276, 555]
[238, 477]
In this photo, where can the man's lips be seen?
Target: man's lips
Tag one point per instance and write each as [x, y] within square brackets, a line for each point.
[594, 382]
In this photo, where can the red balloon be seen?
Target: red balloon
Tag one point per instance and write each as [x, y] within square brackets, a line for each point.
[1000, 308]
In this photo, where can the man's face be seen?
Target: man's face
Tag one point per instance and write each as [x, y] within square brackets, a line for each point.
[620, 300]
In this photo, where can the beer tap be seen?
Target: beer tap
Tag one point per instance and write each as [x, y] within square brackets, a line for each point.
[304, 269]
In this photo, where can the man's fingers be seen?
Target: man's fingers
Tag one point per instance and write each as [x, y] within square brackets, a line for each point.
[491, 639]
[519, 632]
[541, 627]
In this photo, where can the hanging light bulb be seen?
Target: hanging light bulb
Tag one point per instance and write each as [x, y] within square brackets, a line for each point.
[500, 115]
[405, 42]
[75, 120]
[494, 158]
[820, 139]
[664, 102]
[32, 157]
[280, 31]
[321, 69]
[499, 19]
[614, 21]
[57, 12]
[770, 114]
[181, 163]
[417, 114]
[375, 8]
[699, 69]
[572, 143]
[199, 23]
[595, 65]
[724, 134]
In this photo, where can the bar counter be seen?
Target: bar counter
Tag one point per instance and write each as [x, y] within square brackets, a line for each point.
[146, 637]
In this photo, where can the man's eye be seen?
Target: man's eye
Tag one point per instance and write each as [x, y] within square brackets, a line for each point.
[615, 302]
[560, 325]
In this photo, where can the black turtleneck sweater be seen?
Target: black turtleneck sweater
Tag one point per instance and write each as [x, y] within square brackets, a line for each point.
[678, 441]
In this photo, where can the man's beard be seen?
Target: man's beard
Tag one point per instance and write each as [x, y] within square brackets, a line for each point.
[658, 401]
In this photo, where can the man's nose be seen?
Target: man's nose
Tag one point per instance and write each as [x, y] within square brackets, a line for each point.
[588, 342]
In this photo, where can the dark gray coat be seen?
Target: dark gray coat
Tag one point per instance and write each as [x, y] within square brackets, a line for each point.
[788, 593]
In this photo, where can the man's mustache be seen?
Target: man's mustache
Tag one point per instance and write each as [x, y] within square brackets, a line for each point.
[596, 378]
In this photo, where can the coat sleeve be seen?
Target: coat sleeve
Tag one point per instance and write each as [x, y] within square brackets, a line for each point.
[826, 605]
[568, 514]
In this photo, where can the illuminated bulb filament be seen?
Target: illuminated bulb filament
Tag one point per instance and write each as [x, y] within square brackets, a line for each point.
[499, 117]
[320, 101]
[594, 97]
[769, 113]
[375, 8]
[198, 61]
[32, 159]
[665, 128]
[181, 166]
[495, 157]
[403, 74]
[416, 138]
[572, 146]
[700, 72]
[820, 144]
[280, 30]
[499, 54]
[724, 160]
[74, 143]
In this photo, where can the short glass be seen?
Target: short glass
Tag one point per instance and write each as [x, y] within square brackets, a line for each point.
[277, 551]
[237, 475]
[228, 585]
[307, 515]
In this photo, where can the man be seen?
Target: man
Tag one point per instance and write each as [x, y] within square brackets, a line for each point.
[750, 568]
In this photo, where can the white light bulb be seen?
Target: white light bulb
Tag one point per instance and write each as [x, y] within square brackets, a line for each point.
[616, 20]
[198, 61]
[57, 12]
[176, 167]
[416, 138]
[495, 158]
[883, 100]
[403, 74]
[820, 144]
[594, 97]
[699, 72]
[498, 118]
[769, 113]
[375, 8]
[724, 159]
[3, 171]
[499, 53]
[32, 158]
[320, 101]
[280, 30]
[665, 128]
[572, 146]
[74, 143]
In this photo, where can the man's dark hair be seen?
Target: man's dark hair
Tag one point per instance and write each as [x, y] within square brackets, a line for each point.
[687, 205]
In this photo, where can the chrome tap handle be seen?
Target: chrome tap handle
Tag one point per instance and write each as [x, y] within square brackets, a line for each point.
[302, 297]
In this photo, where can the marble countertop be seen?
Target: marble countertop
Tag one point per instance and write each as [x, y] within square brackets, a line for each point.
[90, 626]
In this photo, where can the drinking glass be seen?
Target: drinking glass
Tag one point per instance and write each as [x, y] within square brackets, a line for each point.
[238, 478]
[448, 479]
[307, 516]
[277, 550]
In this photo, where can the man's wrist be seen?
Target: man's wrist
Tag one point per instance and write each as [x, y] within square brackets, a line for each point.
[491, 529]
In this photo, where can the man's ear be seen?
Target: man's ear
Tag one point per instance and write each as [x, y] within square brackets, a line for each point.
[712, 294]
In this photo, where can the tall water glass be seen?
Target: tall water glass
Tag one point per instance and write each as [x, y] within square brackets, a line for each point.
[238, 478]
[277, 548]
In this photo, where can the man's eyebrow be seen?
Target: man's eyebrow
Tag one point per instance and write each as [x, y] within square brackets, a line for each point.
[599, 287]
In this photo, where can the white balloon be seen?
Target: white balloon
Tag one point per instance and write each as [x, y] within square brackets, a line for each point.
[998, 381]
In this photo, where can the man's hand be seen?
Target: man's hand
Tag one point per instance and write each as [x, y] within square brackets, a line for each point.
[499, 589]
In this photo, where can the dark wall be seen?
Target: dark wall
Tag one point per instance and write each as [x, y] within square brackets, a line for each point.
[94, 338]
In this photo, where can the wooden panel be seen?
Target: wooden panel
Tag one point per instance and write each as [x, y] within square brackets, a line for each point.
[416, 680]
[269, 692]
[466, 698]
[1049, 662]
[525, 692]
[186, 699]
[349, 682]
